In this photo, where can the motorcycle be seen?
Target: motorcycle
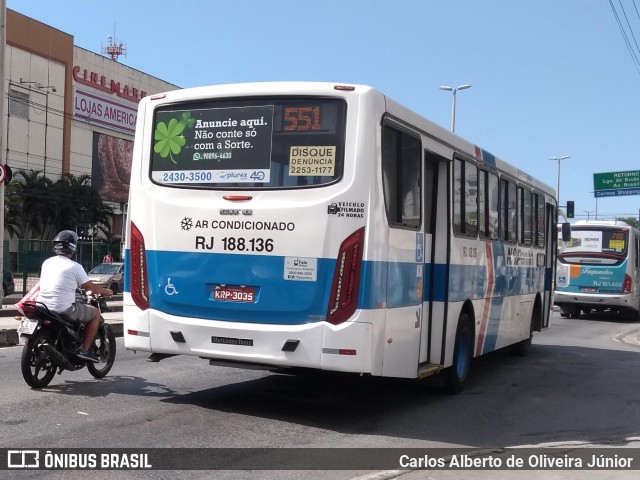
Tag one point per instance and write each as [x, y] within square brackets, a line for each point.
[54, 342]
[83, 295]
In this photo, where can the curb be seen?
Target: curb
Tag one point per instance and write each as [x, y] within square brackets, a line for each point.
[118, 328]
[9, 336]
[10, 310]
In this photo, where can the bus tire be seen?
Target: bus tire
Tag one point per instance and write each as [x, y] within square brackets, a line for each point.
[522, 348]
[630, 315]
[456, 374]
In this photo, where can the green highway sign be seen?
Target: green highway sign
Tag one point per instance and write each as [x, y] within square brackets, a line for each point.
[616, 183]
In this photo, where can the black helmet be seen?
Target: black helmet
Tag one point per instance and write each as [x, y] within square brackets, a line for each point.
[65, 242]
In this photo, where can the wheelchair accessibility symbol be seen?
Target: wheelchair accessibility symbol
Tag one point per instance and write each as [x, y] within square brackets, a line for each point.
[169, 288]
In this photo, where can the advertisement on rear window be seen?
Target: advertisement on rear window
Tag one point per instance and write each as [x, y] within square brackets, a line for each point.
[598, 241]
[586, 241]
[214, 145]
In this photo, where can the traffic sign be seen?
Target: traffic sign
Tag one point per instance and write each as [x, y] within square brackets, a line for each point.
[616, 183]
[3, 173]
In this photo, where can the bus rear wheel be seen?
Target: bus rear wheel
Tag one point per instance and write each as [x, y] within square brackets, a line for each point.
[630, 315]
[456, 374]
[523, 347]
[570, 311]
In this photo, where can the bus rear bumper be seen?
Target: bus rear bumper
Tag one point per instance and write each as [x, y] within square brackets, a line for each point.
[569, 300]
[318, 345]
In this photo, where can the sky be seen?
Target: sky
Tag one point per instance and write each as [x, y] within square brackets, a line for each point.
[549, 78]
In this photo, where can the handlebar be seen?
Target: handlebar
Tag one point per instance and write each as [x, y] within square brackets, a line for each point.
[89, 294]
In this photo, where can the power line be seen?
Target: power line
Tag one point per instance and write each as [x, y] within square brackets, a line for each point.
[636, 7]
[632, 53]
[629, 25]
[24, 163]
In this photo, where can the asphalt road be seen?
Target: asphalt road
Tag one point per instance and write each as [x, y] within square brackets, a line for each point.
[579, 385]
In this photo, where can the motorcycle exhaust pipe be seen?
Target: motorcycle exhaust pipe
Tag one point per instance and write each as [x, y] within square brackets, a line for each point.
[58, 358]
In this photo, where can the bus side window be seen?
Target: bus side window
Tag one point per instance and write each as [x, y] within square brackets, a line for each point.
[488, 205]
[402, 178]
[471, 199]
[494, 212]
[458, 194]
[538, 220]
[525, 218]
[429, 189]
[465, 198]
[483, 207]
[508, 207]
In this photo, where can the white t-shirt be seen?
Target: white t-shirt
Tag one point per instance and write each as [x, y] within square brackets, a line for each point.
[59, 279]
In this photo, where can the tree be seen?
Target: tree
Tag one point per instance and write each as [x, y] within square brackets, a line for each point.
[630, 220]
[13, 210]
[38, 208]
[80, 204]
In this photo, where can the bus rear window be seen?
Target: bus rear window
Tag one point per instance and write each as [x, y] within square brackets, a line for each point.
[249, 143]
[598, 241]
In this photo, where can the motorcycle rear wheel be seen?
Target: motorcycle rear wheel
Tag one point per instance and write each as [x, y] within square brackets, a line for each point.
[37, 366]
[105, 348]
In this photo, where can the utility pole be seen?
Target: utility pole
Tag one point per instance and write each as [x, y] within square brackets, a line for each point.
[3, 159]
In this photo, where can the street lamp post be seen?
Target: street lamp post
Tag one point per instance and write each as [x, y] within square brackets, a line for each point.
[454, 90]
[559, 159]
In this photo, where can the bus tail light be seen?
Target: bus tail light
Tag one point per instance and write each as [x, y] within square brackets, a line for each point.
[346, 279]
[138, 269]
[626, 286]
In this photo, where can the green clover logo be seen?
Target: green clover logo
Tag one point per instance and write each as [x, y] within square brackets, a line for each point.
[170, 139]
[187, 119]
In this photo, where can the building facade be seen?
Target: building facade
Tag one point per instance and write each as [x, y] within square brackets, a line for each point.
[70, 111]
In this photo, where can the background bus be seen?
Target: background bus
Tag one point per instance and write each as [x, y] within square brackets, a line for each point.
[598, 269]
[322, 226]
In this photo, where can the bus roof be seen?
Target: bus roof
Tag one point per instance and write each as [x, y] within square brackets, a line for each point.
[457, 143]
[620, 224]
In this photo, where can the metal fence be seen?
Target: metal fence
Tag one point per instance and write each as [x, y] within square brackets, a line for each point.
[26, 262]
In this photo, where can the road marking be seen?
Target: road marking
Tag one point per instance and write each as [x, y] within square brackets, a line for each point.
[629, 338]
[384, 475]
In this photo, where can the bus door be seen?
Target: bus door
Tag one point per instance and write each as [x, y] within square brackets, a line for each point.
[403, 193]
[435, 258]
[550, 253]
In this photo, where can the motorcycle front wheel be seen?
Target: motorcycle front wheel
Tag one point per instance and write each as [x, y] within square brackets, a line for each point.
[105, 348]
[37, 366]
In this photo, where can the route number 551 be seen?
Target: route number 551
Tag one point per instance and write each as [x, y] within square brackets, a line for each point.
[301, 118]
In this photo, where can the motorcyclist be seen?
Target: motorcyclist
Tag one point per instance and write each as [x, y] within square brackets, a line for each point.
[59, 279]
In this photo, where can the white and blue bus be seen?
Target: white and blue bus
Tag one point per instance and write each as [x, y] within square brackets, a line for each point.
[320, 226]
[599, 270]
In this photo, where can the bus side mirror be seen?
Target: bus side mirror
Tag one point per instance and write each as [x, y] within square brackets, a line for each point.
[566, 232]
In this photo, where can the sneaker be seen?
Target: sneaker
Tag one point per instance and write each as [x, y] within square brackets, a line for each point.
[90, 356]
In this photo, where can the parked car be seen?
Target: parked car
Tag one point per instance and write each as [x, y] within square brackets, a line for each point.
[108, 275]
[7, 282]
